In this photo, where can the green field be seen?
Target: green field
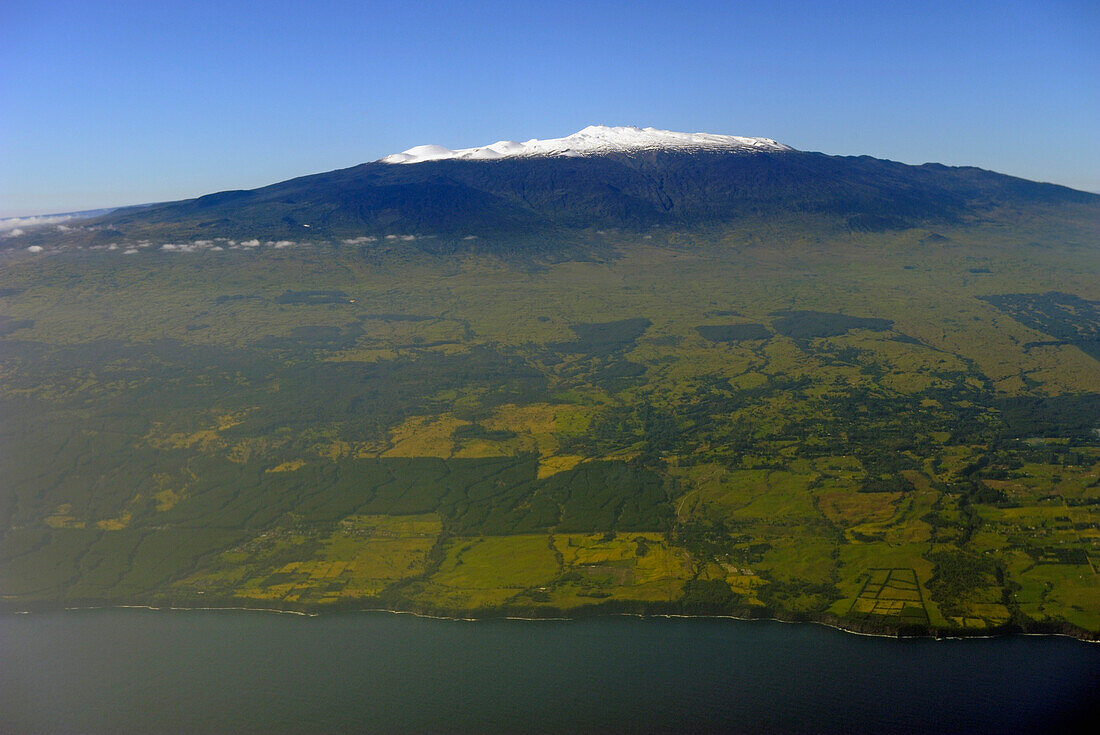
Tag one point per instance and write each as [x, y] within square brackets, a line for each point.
[889, 431]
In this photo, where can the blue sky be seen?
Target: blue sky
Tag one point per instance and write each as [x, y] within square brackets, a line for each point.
[111, 103]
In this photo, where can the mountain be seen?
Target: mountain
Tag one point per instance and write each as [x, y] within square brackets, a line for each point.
[600, 177]
[754, 412]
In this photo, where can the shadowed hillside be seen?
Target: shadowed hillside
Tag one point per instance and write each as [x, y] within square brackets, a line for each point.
[458, 198]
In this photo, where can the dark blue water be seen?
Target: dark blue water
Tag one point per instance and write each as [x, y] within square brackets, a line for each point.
[134, 671]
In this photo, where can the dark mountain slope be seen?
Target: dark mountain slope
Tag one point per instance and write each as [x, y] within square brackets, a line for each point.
[454, 198]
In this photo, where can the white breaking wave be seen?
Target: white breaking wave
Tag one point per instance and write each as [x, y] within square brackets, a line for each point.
[593, 140]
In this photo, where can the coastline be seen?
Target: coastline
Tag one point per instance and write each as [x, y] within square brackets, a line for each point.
[474, 616]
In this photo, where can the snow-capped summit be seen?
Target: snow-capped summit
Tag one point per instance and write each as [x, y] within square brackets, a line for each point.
[593, 140]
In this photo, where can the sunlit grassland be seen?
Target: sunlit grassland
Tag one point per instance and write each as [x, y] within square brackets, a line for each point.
[361, 557]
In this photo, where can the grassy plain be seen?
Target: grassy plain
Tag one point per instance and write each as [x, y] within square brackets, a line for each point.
[856, 427]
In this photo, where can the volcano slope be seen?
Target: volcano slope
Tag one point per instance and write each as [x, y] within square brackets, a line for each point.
[773, 415]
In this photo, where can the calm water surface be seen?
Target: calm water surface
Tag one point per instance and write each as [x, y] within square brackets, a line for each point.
[137, 671]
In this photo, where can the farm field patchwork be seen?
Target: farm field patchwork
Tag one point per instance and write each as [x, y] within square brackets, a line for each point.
[882, 430]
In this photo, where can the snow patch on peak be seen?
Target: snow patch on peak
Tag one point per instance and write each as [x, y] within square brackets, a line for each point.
[593, 140]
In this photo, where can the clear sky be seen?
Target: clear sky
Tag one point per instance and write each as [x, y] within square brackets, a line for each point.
[111, 103]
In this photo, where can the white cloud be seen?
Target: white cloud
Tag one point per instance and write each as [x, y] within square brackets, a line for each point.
[12, 223]
[35, 249]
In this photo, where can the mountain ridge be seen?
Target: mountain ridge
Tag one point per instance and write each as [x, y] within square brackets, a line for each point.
[543, 190]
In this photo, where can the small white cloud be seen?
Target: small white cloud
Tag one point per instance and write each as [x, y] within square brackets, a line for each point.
[284, 243]
[251, 243]
[129, 251]
[16, 232]
[35, 249]
[182, 247]
[470, 237]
